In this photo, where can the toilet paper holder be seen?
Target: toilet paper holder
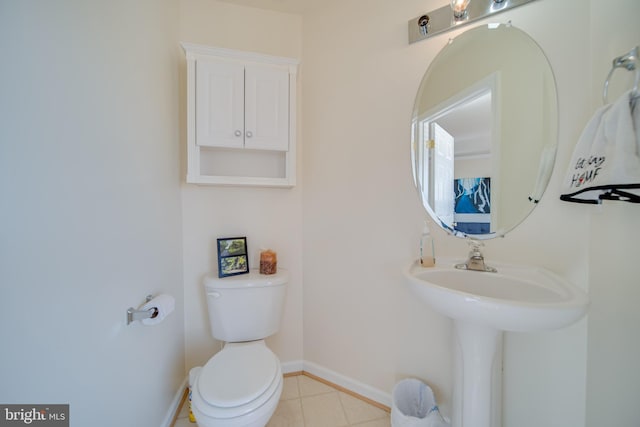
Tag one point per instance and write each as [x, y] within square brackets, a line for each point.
[133, 314]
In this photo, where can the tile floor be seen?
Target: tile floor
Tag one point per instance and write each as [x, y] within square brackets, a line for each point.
[306, 402]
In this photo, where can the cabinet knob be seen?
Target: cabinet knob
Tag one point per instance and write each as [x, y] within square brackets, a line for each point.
[249, 134]
[238, 133]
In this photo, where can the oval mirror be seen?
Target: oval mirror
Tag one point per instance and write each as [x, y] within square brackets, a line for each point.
[484, 131]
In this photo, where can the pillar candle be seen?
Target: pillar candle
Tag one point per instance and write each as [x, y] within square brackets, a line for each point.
[268, 262]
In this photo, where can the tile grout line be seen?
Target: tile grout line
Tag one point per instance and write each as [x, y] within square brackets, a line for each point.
[339, 389]
[304, 423]
[347, 391]
[344, 411]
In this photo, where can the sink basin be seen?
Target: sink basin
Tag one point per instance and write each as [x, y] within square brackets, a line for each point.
[516, 298]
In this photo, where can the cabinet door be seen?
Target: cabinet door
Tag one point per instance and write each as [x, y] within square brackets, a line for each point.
[266, 108]
[219, 104]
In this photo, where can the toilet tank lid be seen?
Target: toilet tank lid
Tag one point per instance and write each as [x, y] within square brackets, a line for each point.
[253, 279]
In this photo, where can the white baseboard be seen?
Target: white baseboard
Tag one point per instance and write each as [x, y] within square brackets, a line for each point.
[293, 366]
[175, 404]
[350, 384]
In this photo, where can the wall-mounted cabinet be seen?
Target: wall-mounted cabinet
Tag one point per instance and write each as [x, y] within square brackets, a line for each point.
[241, 122]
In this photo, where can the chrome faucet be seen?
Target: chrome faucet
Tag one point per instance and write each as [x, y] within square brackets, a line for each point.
[476, 259]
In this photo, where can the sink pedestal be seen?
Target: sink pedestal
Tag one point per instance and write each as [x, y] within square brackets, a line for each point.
[477, 388]
[482, 306]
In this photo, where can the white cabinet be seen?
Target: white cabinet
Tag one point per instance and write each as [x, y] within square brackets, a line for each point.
[240, 118]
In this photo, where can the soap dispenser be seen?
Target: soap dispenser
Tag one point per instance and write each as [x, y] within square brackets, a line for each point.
[427, 251]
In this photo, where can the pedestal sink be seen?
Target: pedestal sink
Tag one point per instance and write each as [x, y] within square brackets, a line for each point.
[482, 306]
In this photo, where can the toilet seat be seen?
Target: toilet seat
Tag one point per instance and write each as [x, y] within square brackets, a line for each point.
[237, 380]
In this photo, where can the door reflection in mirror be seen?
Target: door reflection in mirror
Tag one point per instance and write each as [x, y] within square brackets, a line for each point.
[456, 158]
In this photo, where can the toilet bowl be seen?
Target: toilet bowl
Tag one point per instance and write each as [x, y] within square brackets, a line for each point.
[238, 387]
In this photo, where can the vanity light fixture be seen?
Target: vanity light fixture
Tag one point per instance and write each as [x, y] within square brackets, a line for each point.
[455, 14]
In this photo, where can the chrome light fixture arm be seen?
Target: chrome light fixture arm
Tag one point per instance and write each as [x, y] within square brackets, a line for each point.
[441, 20]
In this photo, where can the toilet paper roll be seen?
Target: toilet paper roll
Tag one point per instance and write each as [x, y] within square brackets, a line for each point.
[165, 304]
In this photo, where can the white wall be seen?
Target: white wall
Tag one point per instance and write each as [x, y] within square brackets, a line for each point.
[613, 377]
[268, 217]
[90, 211]
[362, 219]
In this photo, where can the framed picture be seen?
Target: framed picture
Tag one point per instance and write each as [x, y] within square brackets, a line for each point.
[472, 210]
[232, 256]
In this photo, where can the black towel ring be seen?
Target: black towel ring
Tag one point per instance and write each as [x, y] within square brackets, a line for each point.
[628, 61]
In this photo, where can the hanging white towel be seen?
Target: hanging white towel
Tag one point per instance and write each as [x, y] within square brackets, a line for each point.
[606, 161]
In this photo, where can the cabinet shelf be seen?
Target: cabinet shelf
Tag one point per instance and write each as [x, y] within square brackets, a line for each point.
[241, 121]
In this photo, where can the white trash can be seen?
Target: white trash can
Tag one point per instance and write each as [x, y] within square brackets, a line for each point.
[413, 405]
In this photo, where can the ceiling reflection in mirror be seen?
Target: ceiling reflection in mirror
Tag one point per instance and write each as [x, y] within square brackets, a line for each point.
[484, 132]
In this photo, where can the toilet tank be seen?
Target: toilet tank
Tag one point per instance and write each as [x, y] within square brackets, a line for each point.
[245, 307]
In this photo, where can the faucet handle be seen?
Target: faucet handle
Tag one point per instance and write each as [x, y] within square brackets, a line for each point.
[476, 260]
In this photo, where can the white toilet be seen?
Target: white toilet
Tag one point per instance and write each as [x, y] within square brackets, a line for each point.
[240, 386]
